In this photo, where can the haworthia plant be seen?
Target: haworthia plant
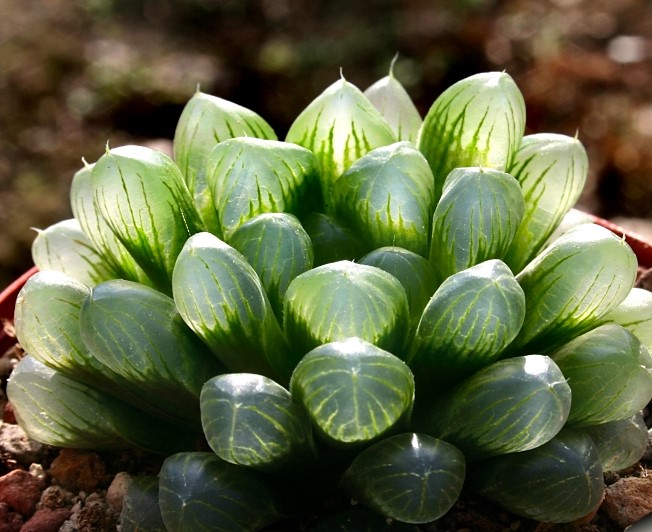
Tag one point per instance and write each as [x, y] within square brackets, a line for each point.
[140, 509]
[551, 170]
[205, 121]
[386, 197]
[339, 126]
[478, 121]
[635, 314]
[248, 176]
[332, 241]
[475, 220]
[141, 194]
[353, 391]
[411, 477]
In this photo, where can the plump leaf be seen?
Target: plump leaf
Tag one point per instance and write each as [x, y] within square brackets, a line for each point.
[149, 345]
[114, 253]
[205, 121]
[141, 194]
[392, 100]
[475, 219]
[620, 443]
[140, 511]
[551, 170]
[332, 241]
[252, 421]
[221, 298]
[467, 324]
[199, 491]
[413, 478]
[248, 176]
[353, 391]
[413, 271]
[579, 278]
[635, 314]
[609, 372]
[339, 126]
[478, 121]
[63, 412]
[510, 406]
[386, 197]
[558, 482]
[64, 247]
[278, 248]
[343, 299]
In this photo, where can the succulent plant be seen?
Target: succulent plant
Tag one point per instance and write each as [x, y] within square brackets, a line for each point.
[378, 308]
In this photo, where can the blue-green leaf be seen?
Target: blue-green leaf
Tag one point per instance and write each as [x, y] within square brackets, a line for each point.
[413, 478]
[478, 121]
[620, 443]
[252, 421]
[635, 314]
[475, 220]
[353, 391]
[140, 510]
[386, 197]
[332, 241]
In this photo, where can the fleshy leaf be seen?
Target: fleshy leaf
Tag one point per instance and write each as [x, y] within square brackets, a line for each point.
[609, 372]
[141, 194]
[475, 220]
[353, 391]
[620, 443]
[64, 247]
[138, 333]
[140, 510]
[413, 478]
[551, 170]
[63, 412]
[510, 406]
[392, 100]
[205, 121]
[252, 421]
[559, 482]
[199, 491]
[221, 298]
[248, 176]
[467, 324]
[635, 314]
[339, 127]
[575, 281]
[278, 248]
[386, 197]
[332, 241]
[343, 299]
[478, 121]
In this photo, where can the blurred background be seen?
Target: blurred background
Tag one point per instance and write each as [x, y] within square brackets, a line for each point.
[75, 74]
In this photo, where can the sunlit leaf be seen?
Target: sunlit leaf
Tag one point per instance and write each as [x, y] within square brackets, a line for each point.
[635, 314]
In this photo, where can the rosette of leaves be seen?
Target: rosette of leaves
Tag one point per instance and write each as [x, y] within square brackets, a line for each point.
[378, 308]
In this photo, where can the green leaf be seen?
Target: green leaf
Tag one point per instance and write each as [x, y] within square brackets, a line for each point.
[410, 477]
[332, 241]
[467, 324]
[392, 100]
[475, 220]
[149, 345]
[353, 391]
[478, 121]
[558, 482]
[620, 443]
[199, 491]
[221, 298]
[635, 314]
[278, 248]
[413, 271]
[140, 511]
[141, 194]
[386, 197]
[250, 420]
[609, 372]
[204, 122]
[343, 299]
[510, 406]
[115, 255]
[339, 127]
[248, 176]
[579, 278]
[64, 247]
[57, 410]
[551, 170]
